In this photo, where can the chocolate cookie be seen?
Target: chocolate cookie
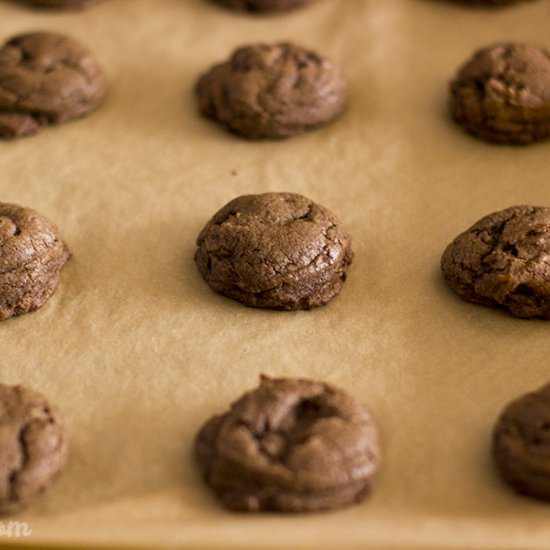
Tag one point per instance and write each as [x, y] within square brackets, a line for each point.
[262, 6]
[521, 444]
[290, 446]
[272, 92]
[502, 260]
[502, 94]
[32, 446]
[46, 78]
[275, 250]
[71, 4]
[32, 255]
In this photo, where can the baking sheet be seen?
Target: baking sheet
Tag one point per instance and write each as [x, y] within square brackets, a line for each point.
[138, 352]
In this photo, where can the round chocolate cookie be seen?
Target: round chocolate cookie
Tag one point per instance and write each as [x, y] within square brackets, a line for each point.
[502, 94]
[272, 92]
[46, 78]
[32, 446]
[71, 4]
[262, 6]
[275, 250]
[290, 445]
[521, 444]
[502, 260]
[32, 255]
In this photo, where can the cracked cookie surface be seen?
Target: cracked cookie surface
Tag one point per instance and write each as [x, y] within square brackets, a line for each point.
[275, 250]
[272, 91]
[32, 446]
[32, 255]
[262, 6]
[291, 445]
[504, 260]
[502, 94]
[521, 444]
[46, 78]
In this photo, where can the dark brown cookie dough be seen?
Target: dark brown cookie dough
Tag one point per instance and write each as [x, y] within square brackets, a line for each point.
[502, 260]
[502, 94]
[32, 255]
[262, 6]
[521, 444]
[272, 92]
[62, 4]
[290, 445]
[275, 250]
[46, 78]
[32, 446]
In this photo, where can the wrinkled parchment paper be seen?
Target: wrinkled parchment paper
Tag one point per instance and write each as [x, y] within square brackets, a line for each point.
[138, 352]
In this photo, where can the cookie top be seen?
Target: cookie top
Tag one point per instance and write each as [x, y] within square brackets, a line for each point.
[46, 78]
[272, 91]
[262, 6]
[32, 255]
[502, 260]
[275, 250]
[521, 444]
[25, 236]
[290, 445]
[71, 4]
[32, 446]
[502, 94]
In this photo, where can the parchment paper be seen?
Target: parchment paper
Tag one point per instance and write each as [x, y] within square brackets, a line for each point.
[138, 352]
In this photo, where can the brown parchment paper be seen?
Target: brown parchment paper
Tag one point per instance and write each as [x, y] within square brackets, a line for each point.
[138, 352]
